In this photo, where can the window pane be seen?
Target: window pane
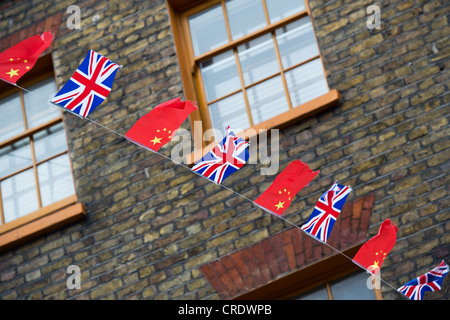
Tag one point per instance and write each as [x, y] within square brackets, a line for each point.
[11, 120]
[38, 109]
[19, 196]
[208, 30]
[267, 100]
[220, 75]
[245, 16]
[15, 157]
[258, 59]
[315, 294]
[297, 42]
[55, 180]
[306, 82]
[353, 287]
[230, 111]
[49, 142]
[280, 9]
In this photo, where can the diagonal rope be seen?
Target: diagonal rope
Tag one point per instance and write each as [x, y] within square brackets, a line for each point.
[202, 176]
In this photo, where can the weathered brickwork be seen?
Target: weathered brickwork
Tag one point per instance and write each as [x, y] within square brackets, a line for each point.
[152, 225]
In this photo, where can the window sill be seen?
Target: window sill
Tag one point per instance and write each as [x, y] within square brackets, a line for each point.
[39, 222]
[308, 109]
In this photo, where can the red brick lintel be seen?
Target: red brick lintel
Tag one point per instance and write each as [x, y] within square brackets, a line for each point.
[287, 252]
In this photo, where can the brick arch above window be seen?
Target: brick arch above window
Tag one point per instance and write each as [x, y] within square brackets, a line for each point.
[291, 251]
[51, 23]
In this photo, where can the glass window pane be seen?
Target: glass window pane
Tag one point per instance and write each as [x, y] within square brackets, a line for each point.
[280, 9]
[15, 157]
[49, 142]
[306, 82]
[316, 294]
[11, 120]
[258, 59]
[55, 180]
[230, 111]
[220, 75]
[38, 109]
[208, 29]
[353, 287]
[19, 196]
[244, 17]
[297, 42]
[267, 100]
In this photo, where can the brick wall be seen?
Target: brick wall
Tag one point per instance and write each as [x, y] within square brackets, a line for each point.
[148, 237]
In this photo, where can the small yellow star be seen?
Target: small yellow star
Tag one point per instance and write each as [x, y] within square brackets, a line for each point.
[25, 61]
[13, 73]
[156, 140]
[279, 205]
[11, 59]
[27, 67]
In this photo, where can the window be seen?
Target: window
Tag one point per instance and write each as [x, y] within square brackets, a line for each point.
[35, 171]
[250, 63]
[351, 287]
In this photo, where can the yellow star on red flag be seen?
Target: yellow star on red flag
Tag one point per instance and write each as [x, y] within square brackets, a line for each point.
[279, 205]
[13, 73]
[156, 140]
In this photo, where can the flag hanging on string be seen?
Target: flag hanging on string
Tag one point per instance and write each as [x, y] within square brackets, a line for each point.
[430, 281]
[157, 127]
[227, 157]
[21, 58]
[277, 198]
[373, 253]
[89, 86]
[326, 211]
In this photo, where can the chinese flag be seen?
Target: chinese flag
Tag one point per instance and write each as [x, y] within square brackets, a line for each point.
[372, 254]
[277, 198]
[19, 59]
[158, 126]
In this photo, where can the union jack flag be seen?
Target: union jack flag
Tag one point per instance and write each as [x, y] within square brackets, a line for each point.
[430, 281]
[89, 86]
[227, 157]
[325, 212]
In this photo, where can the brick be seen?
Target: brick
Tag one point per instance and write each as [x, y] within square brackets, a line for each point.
[387, 137]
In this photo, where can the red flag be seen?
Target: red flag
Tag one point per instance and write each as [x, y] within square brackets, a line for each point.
[19, 59]
[277, 198]
[158, 126]
[372, 254]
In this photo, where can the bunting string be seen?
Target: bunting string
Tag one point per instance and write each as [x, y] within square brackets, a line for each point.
[209, 180]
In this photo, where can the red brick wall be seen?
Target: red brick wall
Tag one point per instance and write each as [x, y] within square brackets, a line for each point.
[285, 252]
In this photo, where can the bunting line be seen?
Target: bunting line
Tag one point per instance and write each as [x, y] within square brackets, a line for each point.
[211, 181]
